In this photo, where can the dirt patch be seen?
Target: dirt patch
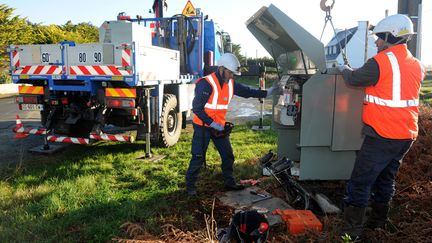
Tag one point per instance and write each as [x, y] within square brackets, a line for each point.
[410, 215]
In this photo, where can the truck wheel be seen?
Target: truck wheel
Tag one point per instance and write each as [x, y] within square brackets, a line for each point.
[171, 122]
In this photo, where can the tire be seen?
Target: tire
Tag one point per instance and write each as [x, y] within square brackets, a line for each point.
[171, 122]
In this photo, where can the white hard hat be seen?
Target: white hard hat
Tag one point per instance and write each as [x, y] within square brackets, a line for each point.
[398, 25]
[230, 62]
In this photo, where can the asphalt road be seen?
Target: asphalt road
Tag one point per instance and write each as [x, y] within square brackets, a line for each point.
[241, 109]
[14, 150]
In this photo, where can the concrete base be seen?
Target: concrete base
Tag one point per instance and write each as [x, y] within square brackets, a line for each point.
[243, 199]
[260, 128]
[53, 148]
[152, 158]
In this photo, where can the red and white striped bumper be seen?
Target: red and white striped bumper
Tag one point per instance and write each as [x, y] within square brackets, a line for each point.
[111, 137]
[98, 70]
[24, 132]
[40, 69]
[35, 131]
[61, 139]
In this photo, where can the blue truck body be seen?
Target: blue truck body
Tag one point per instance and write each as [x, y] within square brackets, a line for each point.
[124, 80]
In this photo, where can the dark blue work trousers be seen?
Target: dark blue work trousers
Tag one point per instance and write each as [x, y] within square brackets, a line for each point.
[375, 169]
[200, 142]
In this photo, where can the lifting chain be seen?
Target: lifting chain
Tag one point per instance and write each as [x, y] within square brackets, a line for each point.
[328, 18]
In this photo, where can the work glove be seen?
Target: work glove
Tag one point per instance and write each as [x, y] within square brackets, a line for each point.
[277, 87]
[270, 91]
[217, 126]
[343, 67]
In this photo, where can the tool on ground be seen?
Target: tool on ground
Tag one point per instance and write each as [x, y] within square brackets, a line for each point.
[298, 195]
[262, 196]
[325, 204]
[261, 199]
[246, 226]
[252, 182]
[258, 194]
[267, 158]
[270, 156]
[298, 221]
[260, 210]
[281, 171]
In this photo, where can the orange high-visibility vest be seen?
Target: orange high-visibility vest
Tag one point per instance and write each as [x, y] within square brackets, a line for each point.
[391, 106]
[217, 104]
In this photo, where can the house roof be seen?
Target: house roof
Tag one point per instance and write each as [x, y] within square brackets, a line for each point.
[342, 37]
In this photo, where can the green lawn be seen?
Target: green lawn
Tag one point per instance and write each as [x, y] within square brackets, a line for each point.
[87, 192]
[254, 81]
[426, 92]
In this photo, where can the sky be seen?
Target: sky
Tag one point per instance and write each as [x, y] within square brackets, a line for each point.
[231, 15]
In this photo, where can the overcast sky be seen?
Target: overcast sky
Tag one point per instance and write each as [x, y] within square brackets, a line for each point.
[231, 15]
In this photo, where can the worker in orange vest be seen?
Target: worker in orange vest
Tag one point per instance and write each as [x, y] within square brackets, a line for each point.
[392, 80]
[213, 94]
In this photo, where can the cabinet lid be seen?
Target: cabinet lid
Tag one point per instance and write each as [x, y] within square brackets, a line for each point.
[280, 36]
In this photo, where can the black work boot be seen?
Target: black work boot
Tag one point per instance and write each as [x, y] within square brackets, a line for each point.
[234, 187]
[354, 218]
[378, 217]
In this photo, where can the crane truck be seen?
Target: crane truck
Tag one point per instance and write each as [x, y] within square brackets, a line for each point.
[141, 74]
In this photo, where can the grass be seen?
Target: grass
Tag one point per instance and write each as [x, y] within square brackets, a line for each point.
[251, 81]
[254, 81]
[87, 192]
[426, 92]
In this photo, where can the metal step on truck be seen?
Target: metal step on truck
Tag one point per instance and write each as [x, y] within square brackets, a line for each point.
[141, 74]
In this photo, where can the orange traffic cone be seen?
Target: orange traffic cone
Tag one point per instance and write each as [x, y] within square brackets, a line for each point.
[19, 129]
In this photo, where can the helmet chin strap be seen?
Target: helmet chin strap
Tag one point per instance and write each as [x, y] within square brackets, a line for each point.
[223, 75]
[387, 44]
[406, 39]
[402, 40]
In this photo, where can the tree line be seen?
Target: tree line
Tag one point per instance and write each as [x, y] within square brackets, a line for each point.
[20, 31]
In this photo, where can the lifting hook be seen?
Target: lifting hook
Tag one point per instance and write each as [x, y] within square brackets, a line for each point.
[326, 8]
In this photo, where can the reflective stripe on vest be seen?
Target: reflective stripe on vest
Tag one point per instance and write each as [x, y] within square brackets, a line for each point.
[213, 103]
[217, 104]
[396, 95]
[391, 105]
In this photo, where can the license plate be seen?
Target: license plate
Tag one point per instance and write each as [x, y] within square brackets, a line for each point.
[32, 107]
